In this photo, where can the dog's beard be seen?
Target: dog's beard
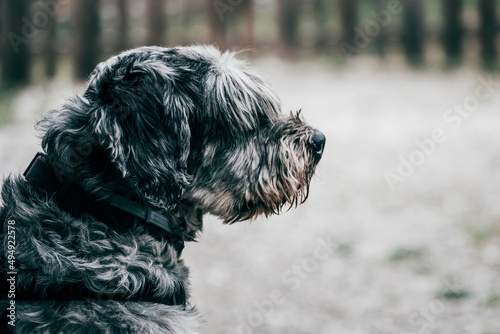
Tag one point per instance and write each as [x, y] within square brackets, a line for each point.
[290, 178]
[261, 177]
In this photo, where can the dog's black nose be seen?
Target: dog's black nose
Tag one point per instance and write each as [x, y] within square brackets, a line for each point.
[318, 140]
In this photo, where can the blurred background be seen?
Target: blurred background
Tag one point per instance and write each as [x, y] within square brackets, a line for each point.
[401, 232]
[43, 39]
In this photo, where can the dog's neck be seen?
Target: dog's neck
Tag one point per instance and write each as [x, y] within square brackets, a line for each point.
[98, 176]
[117, 209]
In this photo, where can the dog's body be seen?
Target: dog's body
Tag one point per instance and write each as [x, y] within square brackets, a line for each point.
[172, 133]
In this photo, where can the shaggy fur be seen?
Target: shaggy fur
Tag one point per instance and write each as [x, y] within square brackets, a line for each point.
[187, 131]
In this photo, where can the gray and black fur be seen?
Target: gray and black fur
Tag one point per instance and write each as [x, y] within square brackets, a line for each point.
[186, 130]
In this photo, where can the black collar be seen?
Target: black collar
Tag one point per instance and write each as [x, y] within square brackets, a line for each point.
[63, 187]
[119, 212]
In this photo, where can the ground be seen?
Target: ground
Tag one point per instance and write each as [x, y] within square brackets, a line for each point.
[401, 232]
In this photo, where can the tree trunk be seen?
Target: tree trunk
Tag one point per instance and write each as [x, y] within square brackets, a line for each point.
[487, 35]
[86, 43]
[2, 10]
[156, 22]
[17, 33]
[288, 23]
[453, 30]
[413, 32]
[50, 46]
[218, 12]
[381, 40]
[348, 20]
[250, 23]
[320, 17]
[122, 24]
[187, 19]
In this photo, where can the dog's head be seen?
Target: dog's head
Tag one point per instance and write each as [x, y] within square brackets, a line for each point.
[186, 126]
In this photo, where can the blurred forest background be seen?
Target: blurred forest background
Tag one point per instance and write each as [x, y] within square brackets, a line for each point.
[418, 252]
[43, 38]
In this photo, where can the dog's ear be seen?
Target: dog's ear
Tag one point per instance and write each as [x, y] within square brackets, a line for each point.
[141, 118]
[67, 135]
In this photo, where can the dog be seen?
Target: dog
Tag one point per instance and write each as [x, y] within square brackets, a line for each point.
[93, 232]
